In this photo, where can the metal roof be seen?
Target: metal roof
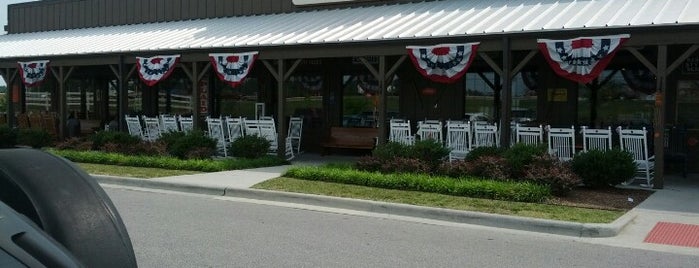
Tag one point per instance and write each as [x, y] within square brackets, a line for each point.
[434, 19]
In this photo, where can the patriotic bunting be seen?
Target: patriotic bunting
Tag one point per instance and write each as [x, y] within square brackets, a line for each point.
[233, 68]
[33, 72]
[154, 69]
[444, 63]
[581, 59]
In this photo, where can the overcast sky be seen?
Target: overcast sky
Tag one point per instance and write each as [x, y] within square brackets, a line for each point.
[3, 18]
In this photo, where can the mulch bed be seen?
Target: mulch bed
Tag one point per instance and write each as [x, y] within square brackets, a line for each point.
[607, 198]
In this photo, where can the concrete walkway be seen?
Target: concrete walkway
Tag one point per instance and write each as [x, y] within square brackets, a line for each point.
[677, 203]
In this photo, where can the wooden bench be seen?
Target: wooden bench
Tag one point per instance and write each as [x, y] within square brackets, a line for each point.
[351, 138]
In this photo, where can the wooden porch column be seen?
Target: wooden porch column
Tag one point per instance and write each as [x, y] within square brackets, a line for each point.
[10, 75]
[62, 76]
[281, 75]
[661, 71]
[506, 107]
[659, 120]
[195, 76]
[122, 91]
[384, 77]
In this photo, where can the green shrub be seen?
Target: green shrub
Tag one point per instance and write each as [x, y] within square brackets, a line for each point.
[483, 151]
[455, 169]
[251, 146]
[430, 151]
[604, 168]
[75, 143]
[548, 170]
[520, 155]
[390, 150]
[8, 137]
[499, 190]
[489, 167]
[405, 165]
[36, 138]
[369, 163]
[181, 144]
[122, 139]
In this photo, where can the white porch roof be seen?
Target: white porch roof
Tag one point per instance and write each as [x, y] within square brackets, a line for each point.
[434, 19]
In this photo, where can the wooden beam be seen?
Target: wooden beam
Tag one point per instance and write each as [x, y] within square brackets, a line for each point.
[272, 70]
[491, 63]
[683, 57]
[395, 67]
[487, 81]
[506, 101]
[524, 62]
[659, 118]
[643, 60]
[291, 70]
[370, 67]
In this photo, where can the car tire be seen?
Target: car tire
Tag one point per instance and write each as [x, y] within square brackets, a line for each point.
[68, 205]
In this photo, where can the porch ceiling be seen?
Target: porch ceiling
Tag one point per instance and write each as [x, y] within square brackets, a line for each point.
[426, 20]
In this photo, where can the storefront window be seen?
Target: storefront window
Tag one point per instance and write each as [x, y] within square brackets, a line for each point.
[238, 101]
[361, 96]
[304, 97]
[175, 96]
[622, 101]
[687, 101]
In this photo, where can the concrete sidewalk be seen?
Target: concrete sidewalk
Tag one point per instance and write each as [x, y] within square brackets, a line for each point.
[677, 203]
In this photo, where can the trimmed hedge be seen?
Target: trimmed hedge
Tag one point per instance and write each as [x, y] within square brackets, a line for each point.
[478, 188]
[167, 162]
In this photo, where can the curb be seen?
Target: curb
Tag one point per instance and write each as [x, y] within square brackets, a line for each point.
[468, 217]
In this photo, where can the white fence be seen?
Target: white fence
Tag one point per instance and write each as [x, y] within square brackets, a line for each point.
[42, 101]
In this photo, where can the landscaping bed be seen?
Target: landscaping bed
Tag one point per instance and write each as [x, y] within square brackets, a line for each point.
[603, 198]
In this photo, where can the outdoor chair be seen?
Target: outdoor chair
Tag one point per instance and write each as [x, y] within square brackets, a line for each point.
[168, 123]
[268, 131]
[596, 139]
[399, 131]
[215, 131]
[294, 134]
[529, 135]
[561, 142]
[251, 127]
[133, 124]
[430, 129]
[151, 128]
[485, 136]
[676, 149]
[234, 127]
[635, 142]
[458, 139]
[186, 123]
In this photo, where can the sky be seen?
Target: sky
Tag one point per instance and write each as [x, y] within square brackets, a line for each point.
[3, 19]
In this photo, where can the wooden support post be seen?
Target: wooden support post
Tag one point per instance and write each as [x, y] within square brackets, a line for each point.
[62, 77]
[659, 122]
[506, 94]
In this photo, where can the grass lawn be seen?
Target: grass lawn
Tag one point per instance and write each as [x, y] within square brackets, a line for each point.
[134, 172]
[543, 211]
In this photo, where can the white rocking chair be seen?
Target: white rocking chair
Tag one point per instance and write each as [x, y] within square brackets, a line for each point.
[636, 142]
[458, 139]
[561, 142]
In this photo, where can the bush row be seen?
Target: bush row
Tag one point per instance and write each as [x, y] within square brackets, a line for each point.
[520, 162]
[204, 165]
[469, 187]
[191, 145]
[35, 138]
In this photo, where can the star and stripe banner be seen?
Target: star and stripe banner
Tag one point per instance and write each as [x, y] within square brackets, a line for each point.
[33, 72]
[232, 68]
[581, 59]
[444, 63]
[154, 69]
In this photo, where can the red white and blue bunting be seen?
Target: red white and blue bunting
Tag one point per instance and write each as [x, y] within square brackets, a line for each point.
[233, 68]
[33, 72]
[444, 63]
[581, 59]
[154, 69]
